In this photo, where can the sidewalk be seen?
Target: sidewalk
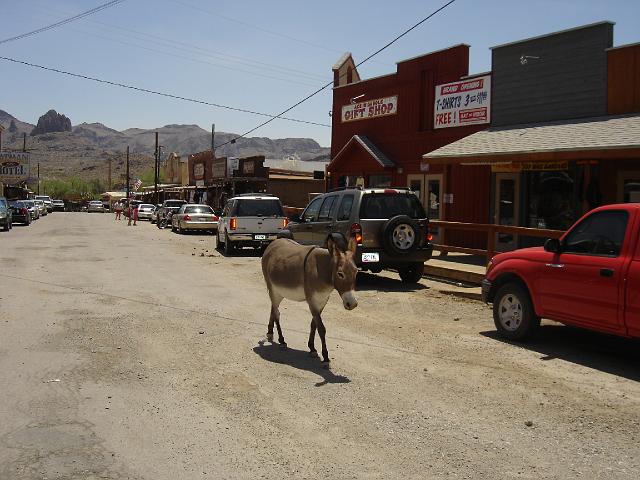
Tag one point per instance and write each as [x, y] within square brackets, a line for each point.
[457, 273]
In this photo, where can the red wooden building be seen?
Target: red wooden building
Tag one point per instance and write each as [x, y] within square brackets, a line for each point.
[381, 128]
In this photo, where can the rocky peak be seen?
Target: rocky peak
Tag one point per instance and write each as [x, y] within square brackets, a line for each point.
[52, 121]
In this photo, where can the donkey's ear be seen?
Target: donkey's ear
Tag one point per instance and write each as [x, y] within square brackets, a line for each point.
[331, 245]
[352, 244]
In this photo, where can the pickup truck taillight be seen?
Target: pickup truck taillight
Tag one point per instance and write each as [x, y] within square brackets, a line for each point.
[233, 223]
[187, 217]
[215, 218]
[356, 231]
[24, 211]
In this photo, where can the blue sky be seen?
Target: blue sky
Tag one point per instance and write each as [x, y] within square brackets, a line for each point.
[257, 55]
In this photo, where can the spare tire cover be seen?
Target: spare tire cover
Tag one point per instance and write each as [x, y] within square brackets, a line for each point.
[400, 234]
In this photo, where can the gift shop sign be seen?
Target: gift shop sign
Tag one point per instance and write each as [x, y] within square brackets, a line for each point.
[379, 107]
[462, 103]
[14, 167]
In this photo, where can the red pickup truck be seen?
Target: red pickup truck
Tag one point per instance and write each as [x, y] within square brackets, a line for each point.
[589, 278]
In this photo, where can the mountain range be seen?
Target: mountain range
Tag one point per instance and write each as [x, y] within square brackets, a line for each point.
[85, 150]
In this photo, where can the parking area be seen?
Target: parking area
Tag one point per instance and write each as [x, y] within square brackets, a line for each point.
[132, 352]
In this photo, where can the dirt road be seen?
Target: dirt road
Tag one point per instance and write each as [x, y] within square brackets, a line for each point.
[135, 353]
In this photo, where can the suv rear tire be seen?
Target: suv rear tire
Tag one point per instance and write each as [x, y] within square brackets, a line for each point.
[411, 273]
[400, 234]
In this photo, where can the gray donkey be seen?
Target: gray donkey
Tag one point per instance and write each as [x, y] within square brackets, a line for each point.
[304, 273]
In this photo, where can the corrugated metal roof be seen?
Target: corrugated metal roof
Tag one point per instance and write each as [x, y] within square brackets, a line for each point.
[595, 133]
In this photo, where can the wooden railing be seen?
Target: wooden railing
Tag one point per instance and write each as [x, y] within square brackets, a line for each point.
[491, 230]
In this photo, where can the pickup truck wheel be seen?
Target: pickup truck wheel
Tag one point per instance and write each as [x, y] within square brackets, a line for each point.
[513, 312]
[228, 248]
[411, 273]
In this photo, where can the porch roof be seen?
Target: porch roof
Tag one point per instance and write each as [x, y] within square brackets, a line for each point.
[370, 147]
[596, 137]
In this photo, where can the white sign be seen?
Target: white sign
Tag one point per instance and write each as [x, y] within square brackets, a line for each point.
[463, 103]
[379, 107]
[14, 167]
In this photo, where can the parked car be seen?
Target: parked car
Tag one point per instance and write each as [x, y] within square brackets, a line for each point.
[47, 202]
[168, 208]
[42, 208]
[588, 278]
[19, 212]
[58, 205]
[145, 210]
[5, 214]
[33, 209]
[154, 214]
[95, 206]
[250, 220]
[194, 217]
[389, 224]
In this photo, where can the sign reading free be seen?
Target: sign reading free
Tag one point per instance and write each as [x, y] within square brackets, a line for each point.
[14, 167]
[462, 103]
[379, 107]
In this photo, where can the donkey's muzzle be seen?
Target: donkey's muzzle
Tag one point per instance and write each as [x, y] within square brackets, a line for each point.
[349, 300]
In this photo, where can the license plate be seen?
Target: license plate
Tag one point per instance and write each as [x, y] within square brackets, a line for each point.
[259, 237]
[201, 219]
[370, 257]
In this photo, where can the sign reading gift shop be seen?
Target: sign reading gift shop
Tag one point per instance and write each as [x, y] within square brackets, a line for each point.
[462, 103]
[14, 167]
[379, 107]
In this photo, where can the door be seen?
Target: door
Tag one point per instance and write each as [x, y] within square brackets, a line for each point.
[629, 187]
[507, 206]
[323, 225]
[303, 231]
[583, 283]
[429, 191]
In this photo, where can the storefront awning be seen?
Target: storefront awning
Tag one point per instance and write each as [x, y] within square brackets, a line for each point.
[610, 137]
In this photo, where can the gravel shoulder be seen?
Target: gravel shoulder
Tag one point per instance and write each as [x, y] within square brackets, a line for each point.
[131, 352]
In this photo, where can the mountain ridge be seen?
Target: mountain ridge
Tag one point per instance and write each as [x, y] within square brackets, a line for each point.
[85, 149]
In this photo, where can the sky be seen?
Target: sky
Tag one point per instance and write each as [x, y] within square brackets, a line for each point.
[257, 55]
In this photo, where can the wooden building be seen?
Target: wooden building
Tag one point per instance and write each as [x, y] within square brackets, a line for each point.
[564, 135]
[382, 126]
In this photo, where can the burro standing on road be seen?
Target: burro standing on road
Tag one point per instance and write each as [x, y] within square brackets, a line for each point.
[302, 273]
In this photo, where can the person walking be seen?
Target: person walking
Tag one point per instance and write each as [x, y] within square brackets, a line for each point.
[118, 208]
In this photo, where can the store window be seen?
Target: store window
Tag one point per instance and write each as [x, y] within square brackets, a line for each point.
[378, 181]
[552, 199]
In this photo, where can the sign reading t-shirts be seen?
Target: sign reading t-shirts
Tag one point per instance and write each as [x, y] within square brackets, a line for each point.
[463, 103]
[379, 107]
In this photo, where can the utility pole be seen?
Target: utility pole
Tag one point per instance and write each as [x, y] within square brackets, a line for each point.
[38, 178]
[109, 177]
[127, 175]
[156, 172]
[213, 135]
[24, 142]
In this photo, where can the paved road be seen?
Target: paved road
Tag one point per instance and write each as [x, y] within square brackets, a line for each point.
[130, 352]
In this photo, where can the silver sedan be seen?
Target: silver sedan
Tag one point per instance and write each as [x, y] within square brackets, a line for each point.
[194, 217]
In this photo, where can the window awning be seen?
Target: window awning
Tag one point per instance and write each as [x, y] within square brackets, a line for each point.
[609, 137]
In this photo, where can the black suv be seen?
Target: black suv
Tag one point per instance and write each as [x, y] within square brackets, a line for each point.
[389, 224]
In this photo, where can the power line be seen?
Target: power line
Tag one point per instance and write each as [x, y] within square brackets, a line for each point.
[162, 94]
[435, 12]
[63, 22]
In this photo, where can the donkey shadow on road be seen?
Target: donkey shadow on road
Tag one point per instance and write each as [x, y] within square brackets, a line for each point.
[371, 281]
[298, 359]
[606, 353]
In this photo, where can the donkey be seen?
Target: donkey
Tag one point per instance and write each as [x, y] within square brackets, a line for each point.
[304, 273]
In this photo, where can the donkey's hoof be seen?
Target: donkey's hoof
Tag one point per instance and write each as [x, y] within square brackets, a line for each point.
[313, 354]
[283, 346]
[270, 337]
[325, 364]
